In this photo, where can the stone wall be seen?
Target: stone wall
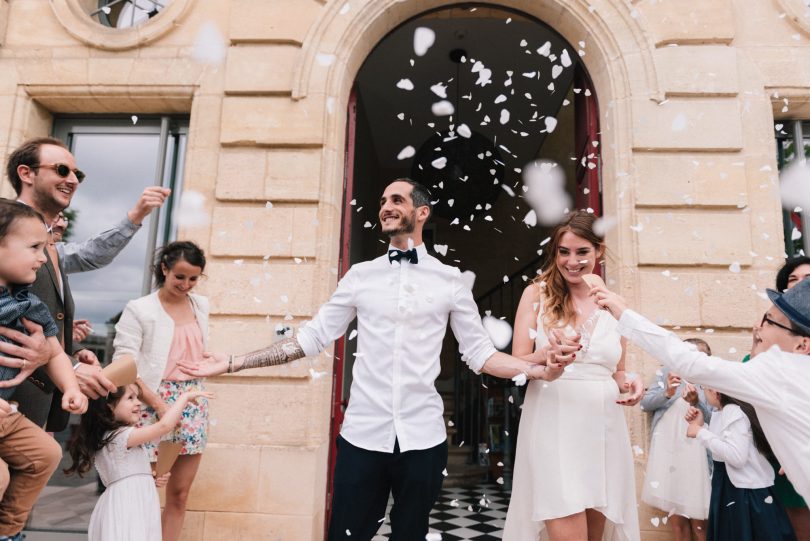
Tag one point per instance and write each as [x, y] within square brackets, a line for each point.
[687, 94]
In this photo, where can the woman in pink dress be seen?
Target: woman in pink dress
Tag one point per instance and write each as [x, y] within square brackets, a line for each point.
[160, 330]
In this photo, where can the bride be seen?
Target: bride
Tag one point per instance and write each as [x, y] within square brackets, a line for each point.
[574, 467]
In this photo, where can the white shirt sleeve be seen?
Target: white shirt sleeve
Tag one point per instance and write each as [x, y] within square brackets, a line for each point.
[332, 320]
[744, 381]
[465, 321]
[733, 444]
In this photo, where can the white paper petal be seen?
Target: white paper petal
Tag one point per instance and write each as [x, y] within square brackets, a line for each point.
[406, 153]
[442, 108]
[209, 45]
[499, 331]
[423, 39]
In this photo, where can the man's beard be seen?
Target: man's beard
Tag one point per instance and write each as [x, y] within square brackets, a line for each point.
[46, 203]
[407, 225]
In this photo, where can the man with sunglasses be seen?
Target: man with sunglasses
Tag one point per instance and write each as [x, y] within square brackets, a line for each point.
[775, 381]
[44, 175]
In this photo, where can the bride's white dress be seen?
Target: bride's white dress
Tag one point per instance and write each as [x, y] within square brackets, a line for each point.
[573, 449]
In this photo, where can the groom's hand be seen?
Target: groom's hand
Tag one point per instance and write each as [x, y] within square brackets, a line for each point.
[213, 364]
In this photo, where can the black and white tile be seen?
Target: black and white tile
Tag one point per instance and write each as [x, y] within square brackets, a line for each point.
[464, 514]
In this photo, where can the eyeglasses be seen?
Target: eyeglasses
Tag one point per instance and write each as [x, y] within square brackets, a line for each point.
[766, 319]
[62, 170]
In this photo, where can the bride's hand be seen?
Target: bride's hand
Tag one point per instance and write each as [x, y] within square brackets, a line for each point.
[562, 350]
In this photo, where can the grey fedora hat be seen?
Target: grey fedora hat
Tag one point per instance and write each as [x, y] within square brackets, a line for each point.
[795, 304]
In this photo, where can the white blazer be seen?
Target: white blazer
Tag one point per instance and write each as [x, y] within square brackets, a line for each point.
[145, 331]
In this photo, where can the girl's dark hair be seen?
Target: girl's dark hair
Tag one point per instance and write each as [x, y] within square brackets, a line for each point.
[11, 211]
[89, 436]
[789, 266]
[174, 252]
[700, 343]
[760, 441]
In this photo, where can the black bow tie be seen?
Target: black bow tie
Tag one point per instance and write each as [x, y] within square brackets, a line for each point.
[397, 255]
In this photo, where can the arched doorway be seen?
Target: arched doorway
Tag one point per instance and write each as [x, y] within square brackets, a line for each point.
[494, 90]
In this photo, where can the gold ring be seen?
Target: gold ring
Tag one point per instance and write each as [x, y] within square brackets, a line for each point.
[23, 363]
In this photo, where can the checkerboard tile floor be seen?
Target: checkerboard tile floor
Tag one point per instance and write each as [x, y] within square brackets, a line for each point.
[464, 514]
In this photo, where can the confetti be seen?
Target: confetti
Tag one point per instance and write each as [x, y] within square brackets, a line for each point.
[191, 211]
[439, 163]
[423, 39]
[439, 89]
[544, 186]
[325, 59]
[134, 119]
[209, 45]
[464, 131]
[442, 108]
[500, 332]
[734, 267]
[405, 153]
[794, 185]
[405, 84]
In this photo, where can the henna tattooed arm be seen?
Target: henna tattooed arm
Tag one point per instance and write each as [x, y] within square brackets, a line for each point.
[281, 352]
[215, 364]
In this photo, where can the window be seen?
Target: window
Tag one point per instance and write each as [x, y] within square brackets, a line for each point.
[120, 159]
[127, 13]
[790, 136]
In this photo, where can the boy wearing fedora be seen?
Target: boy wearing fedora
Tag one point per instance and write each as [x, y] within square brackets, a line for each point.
[775, 381]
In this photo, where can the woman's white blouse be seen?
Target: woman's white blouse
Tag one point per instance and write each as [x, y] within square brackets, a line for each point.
[145, 331]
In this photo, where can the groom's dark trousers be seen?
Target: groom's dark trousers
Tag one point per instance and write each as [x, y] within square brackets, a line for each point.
[363, 481]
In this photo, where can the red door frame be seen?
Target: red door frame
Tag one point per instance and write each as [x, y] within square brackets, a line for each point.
[344, 262]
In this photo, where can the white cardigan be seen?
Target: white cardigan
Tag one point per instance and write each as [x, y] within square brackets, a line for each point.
[146, 331]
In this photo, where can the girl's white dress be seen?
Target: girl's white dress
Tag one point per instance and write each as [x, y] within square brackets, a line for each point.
[129, 509]
[573, 449]
[677, 479]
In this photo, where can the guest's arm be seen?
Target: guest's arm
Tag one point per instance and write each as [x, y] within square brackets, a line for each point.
[655, 398]
[99, 250]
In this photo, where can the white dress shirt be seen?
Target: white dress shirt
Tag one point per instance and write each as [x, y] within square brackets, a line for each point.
[402, 311]
[774, 382]
[730, 440]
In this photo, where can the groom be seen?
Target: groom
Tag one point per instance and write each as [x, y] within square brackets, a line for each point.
[393, 438]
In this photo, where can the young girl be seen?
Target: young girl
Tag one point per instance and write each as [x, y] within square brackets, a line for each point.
[743, 506]
[677, 479]
[29, 452]
[163, 330]
[129, 509]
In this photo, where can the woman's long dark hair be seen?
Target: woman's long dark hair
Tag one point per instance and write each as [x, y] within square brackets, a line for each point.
[760, 441]
[89, 436]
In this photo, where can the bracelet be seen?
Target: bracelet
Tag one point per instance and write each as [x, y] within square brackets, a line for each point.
[230, 363]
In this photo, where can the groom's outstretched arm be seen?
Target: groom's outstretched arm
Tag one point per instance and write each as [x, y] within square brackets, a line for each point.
[330, 323]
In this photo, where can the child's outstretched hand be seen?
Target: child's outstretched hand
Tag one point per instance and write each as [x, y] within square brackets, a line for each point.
[192, 396]
[163, 480]
[695, 419]
[74, 401]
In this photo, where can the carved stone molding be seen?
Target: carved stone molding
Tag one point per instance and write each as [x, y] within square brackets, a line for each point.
[80, 25]
[798, 13]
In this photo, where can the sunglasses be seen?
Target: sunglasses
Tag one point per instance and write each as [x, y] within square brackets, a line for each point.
[62, 170]
[766, 319]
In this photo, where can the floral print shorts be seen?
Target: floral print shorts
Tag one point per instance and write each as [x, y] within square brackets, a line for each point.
[192, 431]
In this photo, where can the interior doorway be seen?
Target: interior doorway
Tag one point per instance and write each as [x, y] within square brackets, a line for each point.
[495, 90]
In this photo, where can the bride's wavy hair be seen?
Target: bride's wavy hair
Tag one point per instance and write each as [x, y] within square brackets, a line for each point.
[558, 310]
